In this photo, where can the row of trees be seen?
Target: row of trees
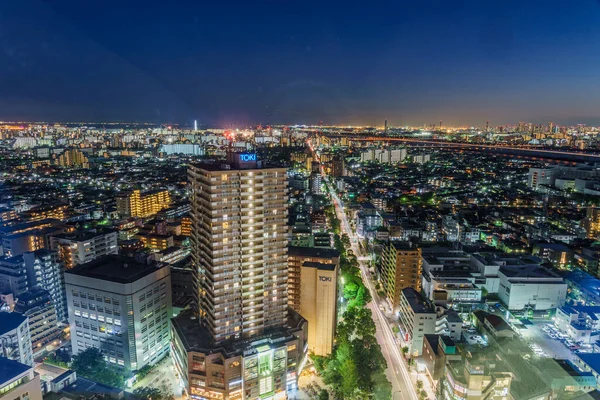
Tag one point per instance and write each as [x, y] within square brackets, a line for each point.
[356, 367]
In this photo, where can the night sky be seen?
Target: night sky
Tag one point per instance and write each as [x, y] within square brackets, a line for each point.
[269, 62]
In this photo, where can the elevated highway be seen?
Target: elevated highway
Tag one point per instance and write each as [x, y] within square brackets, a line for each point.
[524, 151]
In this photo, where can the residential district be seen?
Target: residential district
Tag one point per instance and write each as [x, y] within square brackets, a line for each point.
[299, 262]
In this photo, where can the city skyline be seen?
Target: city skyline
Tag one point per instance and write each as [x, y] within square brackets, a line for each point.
[271, 63]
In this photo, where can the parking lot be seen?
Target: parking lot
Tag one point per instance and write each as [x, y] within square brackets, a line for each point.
[473, 337]
[545, 340]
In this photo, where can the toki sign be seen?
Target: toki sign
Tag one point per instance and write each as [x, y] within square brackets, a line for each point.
[324, 279]
[248, 157]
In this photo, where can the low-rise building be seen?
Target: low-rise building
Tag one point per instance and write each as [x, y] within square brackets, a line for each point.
[15, 341]
[581, 323]
[82, 247]
[437, 350]
[477, 378]
[18, 381]
[492, 324]
[532, 287]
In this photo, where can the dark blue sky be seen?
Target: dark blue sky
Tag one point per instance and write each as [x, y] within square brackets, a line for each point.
[284, 61]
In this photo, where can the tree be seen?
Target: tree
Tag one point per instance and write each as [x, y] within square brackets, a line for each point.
[90, 364]
[404, 350]
[419, 384]
[422, 394]
[323, 395]
[150, 393]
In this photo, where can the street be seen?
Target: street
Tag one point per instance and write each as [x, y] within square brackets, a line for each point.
[397, 372]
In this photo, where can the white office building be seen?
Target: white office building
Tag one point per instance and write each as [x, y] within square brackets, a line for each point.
[121, 307]
[531, 287]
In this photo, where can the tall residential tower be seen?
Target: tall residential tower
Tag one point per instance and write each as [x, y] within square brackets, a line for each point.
[239, 253]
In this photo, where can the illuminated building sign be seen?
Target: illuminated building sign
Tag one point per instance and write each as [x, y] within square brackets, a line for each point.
[246, 157]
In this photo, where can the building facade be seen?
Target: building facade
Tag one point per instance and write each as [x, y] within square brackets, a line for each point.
[297, 256]
[318, 304]
[417, 319]
[142, 205]
[401, 268]
[121, 307]
[240, 257]
[44, 329]
[82, 247]
[15, 341]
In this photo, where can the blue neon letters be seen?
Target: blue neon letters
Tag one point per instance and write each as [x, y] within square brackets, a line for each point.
[248, 157]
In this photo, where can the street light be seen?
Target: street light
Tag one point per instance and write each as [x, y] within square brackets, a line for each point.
[397, 391]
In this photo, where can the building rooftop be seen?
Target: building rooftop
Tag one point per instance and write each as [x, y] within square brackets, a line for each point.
[318, 265]
[416, 301]
[84, 235]
[10, 321]
[316, 252]
[115, 268]
[10, 369]
[591, 359]
[528, 272]
[401, 245]
[196, 337]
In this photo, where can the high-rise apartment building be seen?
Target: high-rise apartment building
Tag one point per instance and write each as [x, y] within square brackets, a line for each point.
[44, 329]
[73, 158]
[142, 205]
[591, 223]
[245, 344]
[239, 244]
[82, 247]
[122, 307]
[401, 268]
[46, 272]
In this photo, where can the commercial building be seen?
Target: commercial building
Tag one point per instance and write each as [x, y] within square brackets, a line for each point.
[318, 304]
[246, 343]
[476, 378]
[417, 319]
[531, 287]
[44, 329]
[142, 205]
[15, 341]
[437, 350]
[121, 307]
[297, 256]
[82, 247]
[400, 268]
[581, 323]
[18, 381]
